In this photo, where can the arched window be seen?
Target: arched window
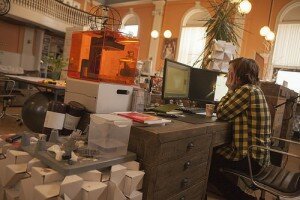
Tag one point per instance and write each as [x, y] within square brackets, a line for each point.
[130, 25]
[192, 38]
[287, 44]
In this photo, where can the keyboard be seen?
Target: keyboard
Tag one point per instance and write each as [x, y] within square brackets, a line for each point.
[191, 110]
[197, 119]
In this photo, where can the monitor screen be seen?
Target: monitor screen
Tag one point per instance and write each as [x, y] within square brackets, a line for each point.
[176, 80]
[207, 86]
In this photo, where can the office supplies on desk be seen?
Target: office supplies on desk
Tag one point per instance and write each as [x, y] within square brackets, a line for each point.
[143, 118]
[190, 110]
[197, 119]
[165, 108]
[166, 115]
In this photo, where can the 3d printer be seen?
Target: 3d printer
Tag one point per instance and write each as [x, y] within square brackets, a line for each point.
[104, 55]
[102, 64]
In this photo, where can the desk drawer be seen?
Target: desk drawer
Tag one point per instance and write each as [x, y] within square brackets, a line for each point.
[178, 149]
[180, 182]
[181, 165]
[196, 192]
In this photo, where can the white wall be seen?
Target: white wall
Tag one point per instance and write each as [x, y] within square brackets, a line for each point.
[10, 59]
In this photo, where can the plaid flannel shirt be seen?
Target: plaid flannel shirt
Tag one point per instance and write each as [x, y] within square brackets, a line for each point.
[246, 108]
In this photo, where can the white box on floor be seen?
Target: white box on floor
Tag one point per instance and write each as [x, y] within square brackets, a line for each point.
[46, 192]
[114, 193]
[117, 175]
[135, 195]
[93, 175]
[98, 97]
[45, 175]
[71, 186]
[17, 157]
[133, 182]
[12, 194]
[26, 189]
[14, 173]
[132, 165]
[94, 191]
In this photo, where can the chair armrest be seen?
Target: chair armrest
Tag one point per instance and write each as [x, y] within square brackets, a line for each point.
[7, 81]
[286, 140]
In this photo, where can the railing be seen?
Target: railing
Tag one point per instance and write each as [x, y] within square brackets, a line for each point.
[57, 10]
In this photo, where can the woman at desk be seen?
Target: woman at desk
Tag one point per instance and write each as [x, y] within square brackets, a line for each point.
[246, 108]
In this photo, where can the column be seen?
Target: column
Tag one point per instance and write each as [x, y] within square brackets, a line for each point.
[157, 25]
[39, 40]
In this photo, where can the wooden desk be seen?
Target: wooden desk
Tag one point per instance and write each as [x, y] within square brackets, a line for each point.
[176, 157]
[37, 83]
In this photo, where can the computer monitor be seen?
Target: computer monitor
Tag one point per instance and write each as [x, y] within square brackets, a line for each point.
[176, 80]
[207, 85]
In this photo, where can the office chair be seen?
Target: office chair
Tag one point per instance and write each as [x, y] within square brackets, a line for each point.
[273, 179]
[6, 96]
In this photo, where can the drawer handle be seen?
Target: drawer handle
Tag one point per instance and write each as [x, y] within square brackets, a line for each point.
[185, 183]
[182, 198]
[187, 165]
[190, 146]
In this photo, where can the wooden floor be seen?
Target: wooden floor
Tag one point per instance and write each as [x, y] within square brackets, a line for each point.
[9, 125]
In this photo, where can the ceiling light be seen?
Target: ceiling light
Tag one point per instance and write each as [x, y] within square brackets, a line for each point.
[154, 34]
[264, 31]
[245, 7]
[167, 34]
[270, 36]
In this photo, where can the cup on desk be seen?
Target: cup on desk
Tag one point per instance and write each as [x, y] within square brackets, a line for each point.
[209, 109]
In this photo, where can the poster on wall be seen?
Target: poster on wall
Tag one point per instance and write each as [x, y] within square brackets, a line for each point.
[169, 48]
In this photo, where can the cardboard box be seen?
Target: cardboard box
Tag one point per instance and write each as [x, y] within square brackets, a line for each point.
[48, 191]
[135, 195]
[26, 189]
[12, 194]
[71, 186]
[93, 175]
[133, 182]
[114, 193]
[14, 173]
[45, 175]
[132, 165]
[17, 157]
[94, 190]
[117, 175]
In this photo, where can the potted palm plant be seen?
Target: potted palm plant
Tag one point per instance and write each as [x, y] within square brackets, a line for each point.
[54, 66]
[221, 26]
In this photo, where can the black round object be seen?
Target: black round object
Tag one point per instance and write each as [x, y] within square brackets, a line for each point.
[34, 110]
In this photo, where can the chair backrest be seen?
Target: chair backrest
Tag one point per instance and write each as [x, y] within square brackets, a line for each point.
[6, 86]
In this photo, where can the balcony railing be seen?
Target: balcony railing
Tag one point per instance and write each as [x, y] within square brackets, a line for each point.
[57, 10]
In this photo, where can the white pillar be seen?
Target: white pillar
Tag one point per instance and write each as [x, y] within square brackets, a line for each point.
[39, 40]
[157, 25]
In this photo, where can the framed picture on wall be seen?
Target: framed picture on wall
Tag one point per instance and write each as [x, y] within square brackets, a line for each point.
[169, 48]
